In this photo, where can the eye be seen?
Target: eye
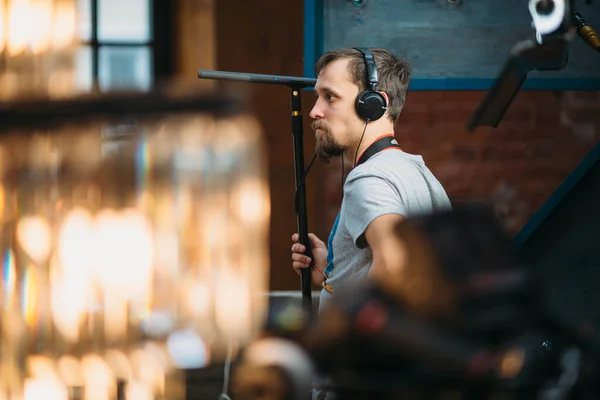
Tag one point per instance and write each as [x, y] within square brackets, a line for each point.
[330, 96]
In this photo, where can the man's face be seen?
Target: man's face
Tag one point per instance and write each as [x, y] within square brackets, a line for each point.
[335, 120]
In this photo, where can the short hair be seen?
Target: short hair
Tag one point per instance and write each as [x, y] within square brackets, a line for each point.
[393, 73]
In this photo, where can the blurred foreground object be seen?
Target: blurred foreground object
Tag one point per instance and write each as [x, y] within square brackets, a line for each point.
[458, 317]
[134, 242]
[273, 368]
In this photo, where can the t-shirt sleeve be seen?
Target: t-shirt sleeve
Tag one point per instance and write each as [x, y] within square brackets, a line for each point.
[367, 197]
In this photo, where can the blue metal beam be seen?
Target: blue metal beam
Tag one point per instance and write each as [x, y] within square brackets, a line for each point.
[425, 84]
[558, 196]
[313, 35]
[314, 44]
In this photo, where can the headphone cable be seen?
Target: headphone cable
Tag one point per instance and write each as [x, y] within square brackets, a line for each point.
[312, 160]
[297, 194]
[361, 138]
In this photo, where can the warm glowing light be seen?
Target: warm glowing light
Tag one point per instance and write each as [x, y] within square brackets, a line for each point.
[149, 369]
[64, 26]
[512, 363]
[40, 366]
[119, 364]
[232, 303]
[75, 245]
[139, 390]
[199, 298]
[2, 192]
[18, 26]
[250, 200]
[45, 389]
[69, 369]
[40, 16]
[124, 249]
[30, 296]
[35, 25]
[34, 236]
[44, 383]
[2, 27]
[68, 304]
[98, 377]
[115, 316]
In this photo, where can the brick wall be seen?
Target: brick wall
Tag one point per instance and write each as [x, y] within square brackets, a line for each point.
[515, 167]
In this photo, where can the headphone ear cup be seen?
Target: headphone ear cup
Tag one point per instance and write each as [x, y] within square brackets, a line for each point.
[370, 105]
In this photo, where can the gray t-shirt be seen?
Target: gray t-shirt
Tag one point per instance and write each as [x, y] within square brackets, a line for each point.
[390, 182]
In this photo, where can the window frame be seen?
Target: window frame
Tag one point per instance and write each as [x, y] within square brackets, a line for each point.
[161, 43]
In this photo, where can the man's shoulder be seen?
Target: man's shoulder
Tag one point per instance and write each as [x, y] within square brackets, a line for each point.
[386, 163]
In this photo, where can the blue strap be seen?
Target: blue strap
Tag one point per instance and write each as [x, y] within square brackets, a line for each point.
[330, 265]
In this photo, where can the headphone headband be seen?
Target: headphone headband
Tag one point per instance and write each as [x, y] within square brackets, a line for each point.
[371, 67]
[370, 104]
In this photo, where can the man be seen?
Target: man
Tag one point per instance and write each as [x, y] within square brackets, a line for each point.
[360, 95]
[384, 186]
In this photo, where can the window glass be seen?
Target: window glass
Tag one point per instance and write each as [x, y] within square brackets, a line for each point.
[123, 20]
[125, 68]
[83, 68]
[84, 20]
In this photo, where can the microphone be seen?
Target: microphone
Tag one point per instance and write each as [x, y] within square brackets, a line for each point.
[291, 81]
[586, 32]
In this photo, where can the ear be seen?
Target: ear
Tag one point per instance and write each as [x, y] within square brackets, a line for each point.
[385, 96]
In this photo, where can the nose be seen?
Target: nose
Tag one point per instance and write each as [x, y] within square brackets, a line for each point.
[317, 111]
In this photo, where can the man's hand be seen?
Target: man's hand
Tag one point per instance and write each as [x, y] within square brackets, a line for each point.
[319, 253]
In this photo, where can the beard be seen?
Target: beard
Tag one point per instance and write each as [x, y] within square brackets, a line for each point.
[326, 146]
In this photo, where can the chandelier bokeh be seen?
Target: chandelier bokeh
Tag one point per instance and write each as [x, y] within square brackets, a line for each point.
[133, 225]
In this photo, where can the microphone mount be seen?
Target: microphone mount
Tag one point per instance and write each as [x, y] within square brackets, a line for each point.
[293, 82]
[555, 23]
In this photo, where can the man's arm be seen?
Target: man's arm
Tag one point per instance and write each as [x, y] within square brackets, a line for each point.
[388, 253]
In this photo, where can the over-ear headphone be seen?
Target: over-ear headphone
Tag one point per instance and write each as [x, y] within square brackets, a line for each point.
[370, 104]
